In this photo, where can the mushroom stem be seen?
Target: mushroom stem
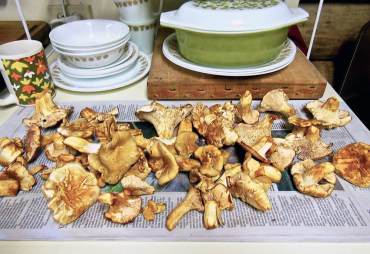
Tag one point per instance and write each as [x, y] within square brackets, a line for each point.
[212, 215]
[192, 201]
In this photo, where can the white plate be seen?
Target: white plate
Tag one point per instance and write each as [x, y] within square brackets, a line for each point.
[286, 56]
[127, 59]
[89, 33]
[126, 78]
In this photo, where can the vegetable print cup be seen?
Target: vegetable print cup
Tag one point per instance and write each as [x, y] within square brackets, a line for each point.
[25, 71]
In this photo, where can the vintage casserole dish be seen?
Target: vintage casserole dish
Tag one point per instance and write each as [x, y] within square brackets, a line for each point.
[235, 33]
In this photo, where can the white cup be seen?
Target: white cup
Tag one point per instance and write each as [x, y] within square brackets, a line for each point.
[138, 10]
[142, 34]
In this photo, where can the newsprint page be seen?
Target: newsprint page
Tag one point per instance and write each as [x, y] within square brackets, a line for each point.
[343, 217]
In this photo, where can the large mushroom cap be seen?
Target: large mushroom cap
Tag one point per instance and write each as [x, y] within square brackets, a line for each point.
[352, 162]
[314, 180]
[71, 190]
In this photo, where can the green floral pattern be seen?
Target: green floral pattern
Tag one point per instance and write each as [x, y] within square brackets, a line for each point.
[28, 76]
[235, 4]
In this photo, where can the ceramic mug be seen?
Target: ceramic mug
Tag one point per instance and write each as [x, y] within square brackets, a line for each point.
[142, 34]
[138, 10]
[25, 71]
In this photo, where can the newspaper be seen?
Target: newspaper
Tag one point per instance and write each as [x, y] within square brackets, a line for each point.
[343, 217]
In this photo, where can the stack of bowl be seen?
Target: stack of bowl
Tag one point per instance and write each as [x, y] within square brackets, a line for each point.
[94, 49]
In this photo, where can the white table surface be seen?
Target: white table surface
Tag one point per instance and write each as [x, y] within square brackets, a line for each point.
[138, 91]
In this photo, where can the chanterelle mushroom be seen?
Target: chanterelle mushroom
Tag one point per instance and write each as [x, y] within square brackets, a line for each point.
[82, 145]
[8, 185]
[277, 101]
[122, 207]
[329, 113]
[211, 160]
[251, 134]
[92, 115]
[18, 171]
[152, 208]
[259, 149]
[47, 113]
[134, 186]
[81, 128]
[165, 165]
[308, 144]
[54, 146]
[251, 192]
[281, 155]
[71, 190]
[32, 142]
[10, 149]
[314, 180]
[115, 158]
[141, 168]
[245, 111]
[352, 162]
[164, 119]
[192, 201]
[256, 169]
[186, 140]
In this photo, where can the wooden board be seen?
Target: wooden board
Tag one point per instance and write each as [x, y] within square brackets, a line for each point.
[167, 81]
[13, 30]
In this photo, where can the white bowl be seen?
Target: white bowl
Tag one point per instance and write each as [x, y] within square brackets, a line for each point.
[89, 33]
[94, 59]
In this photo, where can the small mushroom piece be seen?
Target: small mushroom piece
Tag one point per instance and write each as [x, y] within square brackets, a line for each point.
[54, 146]
[115, 158]
[352, 162]
[186, 164]
[211, 159]
[186, 143]
[185, 126]
[32, 142]
[92, 115]
[303, 123]
[231, 169]
[245, 110]
[212, 213]
[82, 145]
[165, 166]
[281, 155]
[164, 119]
[308, 144]
[251, 134]
[192, 201]
[134, 186]
[314, 180]
[71, 190]
[8, 185]
[105, 129]
[81, 128]
[47, 113]
[249, 191]
[259, 150]
[17, 171]
[122, 207]
[256, 169]
[37, 169]
[152, 208]
[329, 113]
[141, 168]
[10, 150]
[277, 101]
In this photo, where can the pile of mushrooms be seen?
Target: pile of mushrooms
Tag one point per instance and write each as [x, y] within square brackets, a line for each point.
[95, 150]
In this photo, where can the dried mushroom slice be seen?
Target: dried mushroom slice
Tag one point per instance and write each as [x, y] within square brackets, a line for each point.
[256, 169]
[308, 144]
[352, 162]
[10, 150]
[8, 185]
[251, 134]
[71, 190]
[249, 191]
[47, 113]
[20, 173]
[277, 101]
[211, 160]
[314, 180]
[141, 168]
[245, 110]
[329, 113]
[192, 201]
[32, 142]
[115, 158]
[122, 207]
[152, 208]
[81, 128]
[164, 119]
[134, 186]
[163, 163]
